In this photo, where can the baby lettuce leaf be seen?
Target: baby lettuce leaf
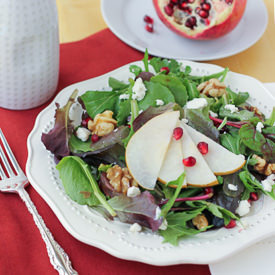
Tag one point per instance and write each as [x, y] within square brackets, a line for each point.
[116, 84]
[124, 110]
[96, 102]
[178, 182]
[202, 123]
[191, 88]
[136, 70]
[57, 140]
[269, 132]
[140, 209]
[157, 63]
[155, 91]
[271, 120]
[235, 180]
[152, 112]
[268, 151]
[243, 115]
[232, 142]
[175, 85]
[237, 98]
[79, 183]
[145, 61]
[252, 138]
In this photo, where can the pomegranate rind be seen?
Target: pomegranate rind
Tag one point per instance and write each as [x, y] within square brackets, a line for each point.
[212, 32]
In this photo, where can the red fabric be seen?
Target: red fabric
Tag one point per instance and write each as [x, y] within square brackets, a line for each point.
[22, 250]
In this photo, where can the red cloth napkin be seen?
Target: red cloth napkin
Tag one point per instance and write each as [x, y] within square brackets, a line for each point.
[22, 250]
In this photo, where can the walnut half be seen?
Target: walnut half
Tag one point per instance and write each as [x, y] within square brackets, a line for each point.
[263, 167]
[120, 179]
[103, 124]
[213, 88]
[200, 221]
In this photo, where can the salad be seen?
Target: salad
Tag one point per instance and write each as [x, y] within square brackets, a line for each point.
[168, 150]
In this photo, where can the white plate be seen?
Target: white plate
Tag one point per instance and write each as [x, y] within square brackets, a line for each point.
[125, 19]
[114, 237]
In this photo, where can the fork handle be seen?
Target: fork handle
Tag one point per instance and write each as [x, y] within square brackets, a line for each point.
[58, 257]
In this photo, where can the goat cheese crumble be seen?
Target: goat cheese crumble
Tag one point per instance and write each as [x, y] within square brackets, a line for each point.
[83, 133]
[268, 183]
[232, 108]
[243, 208]
[196, 103]
[232, 187]
[135, 228]
[213, 114]
[259, 127]
[133, 191]
[139, 90]
[159, 102]
[164, 225]
[124, 96]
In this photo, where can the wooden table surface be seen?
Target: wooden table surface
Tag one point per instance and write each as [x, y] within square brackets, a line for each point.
[80, 18]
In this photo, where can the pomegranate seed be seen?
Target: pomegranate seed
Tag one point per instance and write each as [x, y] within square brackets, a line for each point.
[95, 138]
[165, 69]
[203, 147]
[249, 200]
[183, 5]
[85, 121]
[149, 28]
[177, 133]
[229, 2]
[231, 224]
[206, 6]
[254, 196]
[174, 2]
[190, 1]
[207, 22]
[203, 13]
[148, 19]
[169, 10]
[191, 22]
[208, 190]
[187, 10]
[189, 162]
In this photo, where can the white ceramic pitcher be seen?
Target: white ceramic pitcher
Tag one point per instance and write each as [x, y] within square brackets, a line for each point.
[29, 52]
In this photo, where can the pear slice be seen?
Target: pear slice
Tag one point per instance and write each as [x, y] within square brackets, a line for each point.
[199, 175]
[220, 160]
[147, 148]
[172, 166]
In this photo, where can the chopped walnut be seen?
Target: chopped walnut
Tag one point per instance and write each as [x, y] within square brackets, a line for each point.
[213, 88]
[120, 179]
[200, 221]
[103, 124]
[263, 167]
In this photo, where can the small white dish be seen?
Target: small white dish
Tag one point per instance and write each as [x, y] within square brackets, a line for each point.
[125, 19]
[115, 237]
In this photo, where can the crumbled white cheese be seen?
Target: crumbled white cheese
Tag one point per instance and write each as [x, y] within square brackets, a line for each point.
[83, 133]
[268, 183]
[158, 212]
[232, 187]
[139, 90]
[213, 114]
[124, 96]
[196, 103]
[159, 102]
[231, 107]
[163, 225]
[140, 111]
[133, 191]
[259, 127]
[243, 208]
[184, 120]
[135, 228]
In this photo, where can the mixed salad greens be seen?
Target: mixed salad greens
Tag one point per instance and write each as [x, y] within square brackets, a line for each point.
[173, 211]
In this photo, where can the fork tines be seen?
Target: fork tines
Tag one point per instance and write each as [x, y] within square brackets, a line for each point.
[7, 162]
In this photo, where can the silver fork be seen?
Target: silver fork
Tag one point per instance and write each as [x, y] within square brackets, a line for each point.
[15, 182]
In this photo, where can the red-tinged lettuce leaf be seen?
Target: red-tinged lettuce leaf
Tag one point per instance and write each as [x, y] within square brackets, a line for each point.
[202, 123]
[57, 140]
[152, 112]
[106, 187]
[140, 209]
[268, 150]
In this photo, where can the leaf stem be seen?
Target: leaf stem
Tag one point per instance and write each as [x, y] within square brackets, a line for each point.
[229, 123]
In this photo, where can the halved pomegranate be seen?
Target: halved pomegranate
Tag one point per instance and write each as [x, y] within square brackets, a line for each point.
[200, 19]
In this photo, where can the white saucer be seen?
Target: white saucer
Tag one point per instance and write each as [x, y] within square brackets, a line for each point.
[125, 19]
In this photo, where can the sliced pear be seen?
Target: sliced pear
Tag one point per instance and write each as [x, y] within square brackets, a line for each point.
[172, 166]
[147, 148]
[200, 174]
[220, 160]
